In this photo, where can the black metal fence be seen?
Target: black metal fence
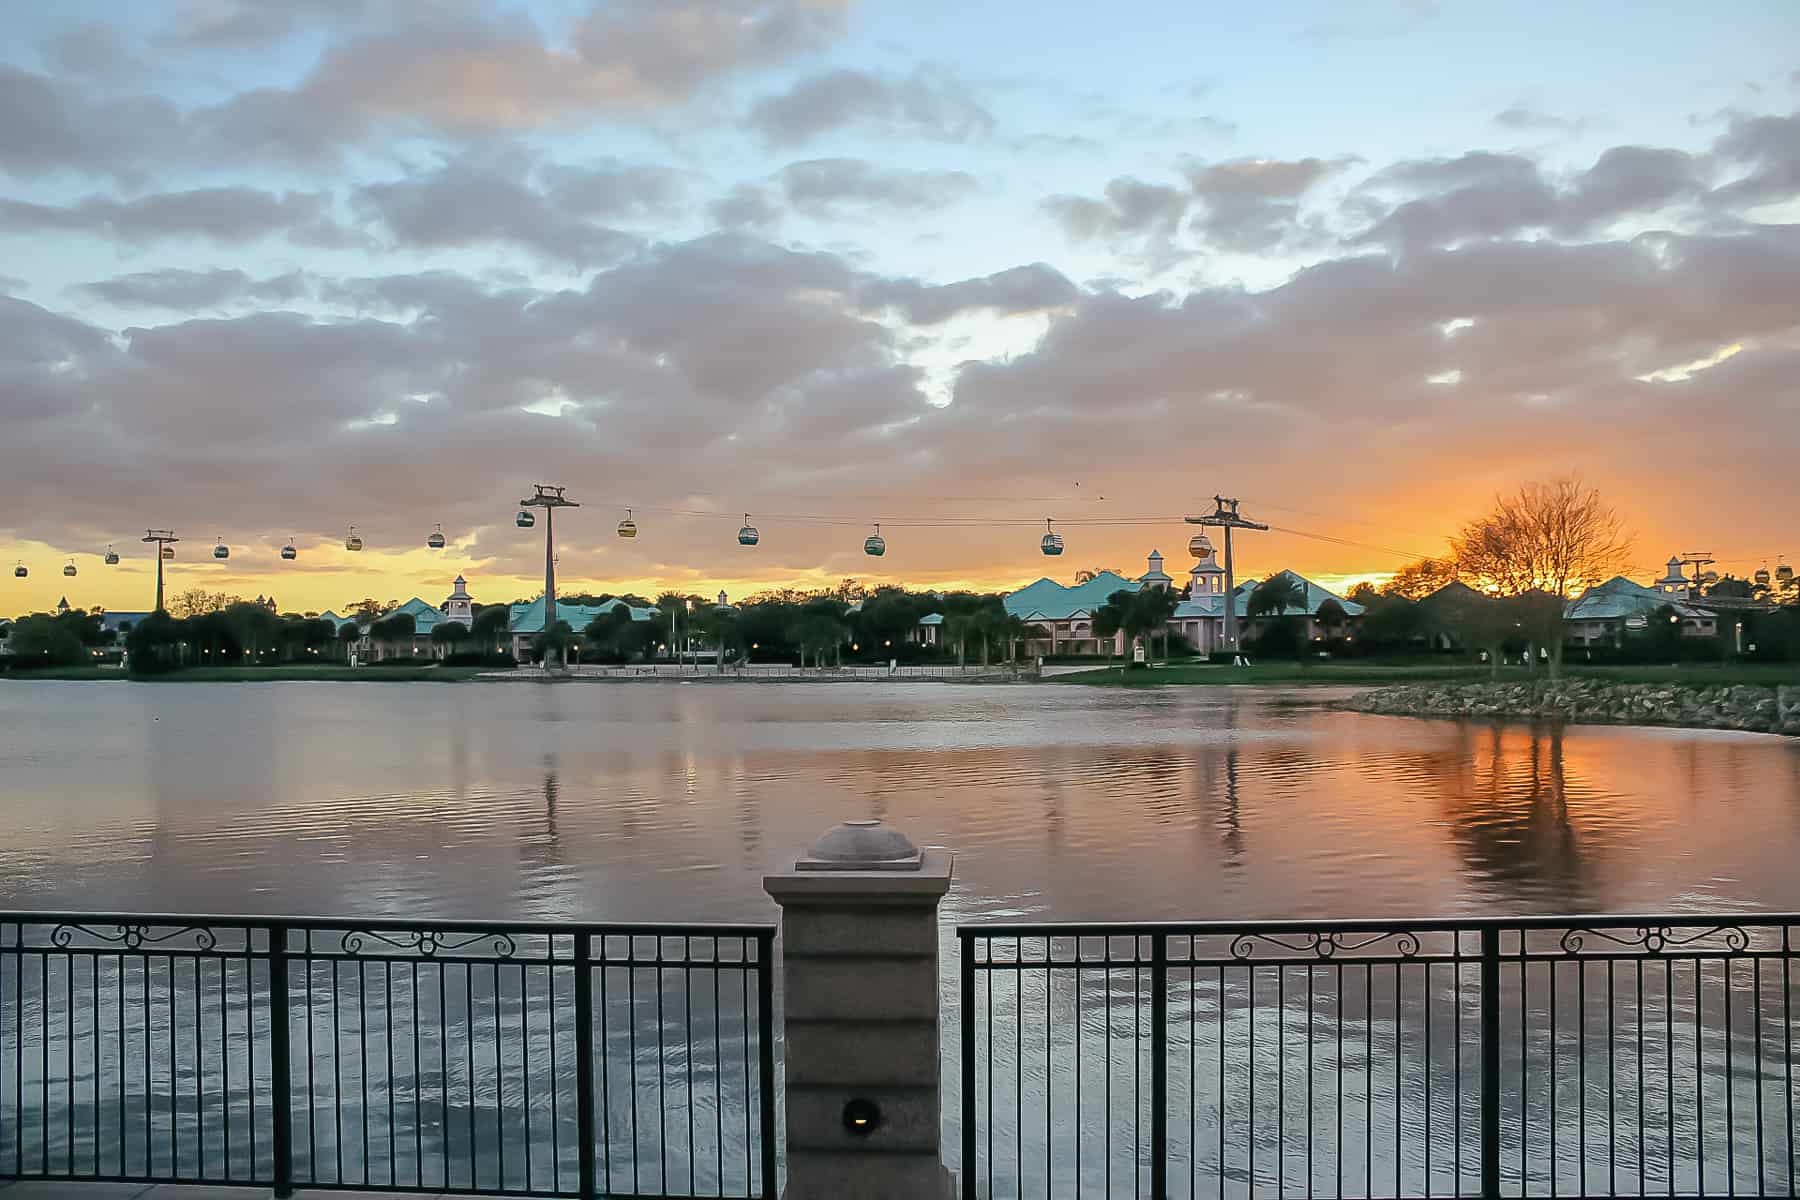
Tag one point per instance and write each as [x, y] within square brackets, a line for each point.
[1603, 1056]
[514, 1059]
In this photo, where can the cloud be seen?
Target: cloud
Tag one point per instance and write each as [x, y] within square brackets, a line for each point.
[1017, 291]
[94, 51]
[612, 189]
[50, 126]
[727, 363]
[1130, 208]
[184, 290]
[231, 215]
[471, 202]
[1443, 202]
[930, 102]
[1393, 18]
[251, 24]
[1770, 147]
[827, 188]
[1251, 204]
[1519, 117]
[745, 206]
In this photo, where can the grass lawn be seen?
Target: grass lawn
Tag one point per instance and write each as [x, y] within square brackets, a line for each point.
[267, 674]
[1376, 673]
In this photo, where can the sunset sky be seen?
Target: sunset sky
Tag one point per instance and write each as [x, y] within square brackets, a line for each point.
[270, 268]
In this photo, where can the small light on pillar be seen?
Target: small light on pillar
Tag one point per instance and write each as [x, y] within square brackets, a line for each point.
[862, 1117]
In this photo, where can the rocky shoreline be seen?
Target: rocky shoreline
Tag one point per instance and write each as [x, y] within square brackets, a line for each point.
[1594, 702]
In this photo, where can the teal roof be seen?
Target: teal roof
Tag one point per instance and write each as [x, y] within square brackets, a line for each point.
[932, 619]
[336, 620]
[1618, 598]
[1314, 596]
[529, 618]
[1048, 600]
[426, 617]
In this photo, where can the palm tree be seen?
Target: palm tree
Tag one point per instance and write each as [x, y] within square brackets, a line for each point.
[1146, 611]
[1276, 595]
[1108, 620]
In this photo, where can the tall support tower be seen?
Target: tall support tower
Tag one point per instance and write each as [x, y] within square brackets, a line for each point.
[549, 499]
[1225, 516]
[162, 539]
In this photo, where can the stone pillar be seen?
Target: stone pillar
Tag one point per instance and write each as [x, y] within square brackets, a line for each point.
[860, 975]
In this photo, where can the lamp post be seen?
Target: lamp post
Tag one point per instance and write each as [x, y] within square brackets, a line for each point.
[1225, 516]
[549, 499]
[162, 538]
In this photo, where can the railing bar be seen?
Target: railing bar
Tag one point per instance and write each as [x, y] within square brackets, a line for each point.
[1581, 1044]
[1787, 1044]
[94, 1030]
[1280, 1079]
[337, 1076]
[1250, 1070]
[443, 1014]
[469, 1066]
[1368, 1081]
[1730, 1091]
[1669, 1062]
[1399, 1058]
[224, 1066]
[605, 1044]
[387, 1029]
[119, 997]
[1080, 1036]
[499, 1086]
[1019, 1070]
[1638, 976]
[1219, 1006]
[149, 1074]
[585, 1150]
[69, 1064]
[281, 1071]
[1757, 1075]
[1425, 1000]
[662, 1094]
[1193, 1075]
[1555, 1083]
[1700, 1085]
[1456, 1074]
[1612, 1080]
[1159, 1066]
[418, 1077]
[990, 1091]
[362, 1061]
[525, 1076]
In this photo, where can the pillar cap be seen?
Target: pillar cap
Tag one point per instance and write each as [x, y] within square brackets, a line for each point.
[862, 846]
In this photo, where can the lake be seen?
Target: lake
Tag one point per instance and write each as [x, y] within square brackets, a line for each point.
[670, 800]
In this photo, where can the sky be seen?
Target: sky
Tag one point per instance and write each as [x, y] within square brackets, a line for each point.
[273, 268]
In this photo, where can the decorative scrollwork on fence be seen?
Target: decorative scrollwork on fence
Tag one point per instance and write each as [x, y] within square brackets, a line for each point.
[1656, 939]
[427, 943]
[1328, 945]
[196, 939]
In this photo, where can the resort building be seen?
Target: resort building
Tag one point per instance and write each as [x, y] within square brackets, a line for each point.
[526, 621]
[458, 608]
[1061, 616]
[1606, 613]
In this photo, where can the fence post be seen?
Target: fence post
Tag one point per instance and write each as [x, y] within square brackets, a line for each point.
[584, 1058]
[765, 1038]
[862, 1017]
[1490, 1061]
[281, 1071]
[1159, 1067]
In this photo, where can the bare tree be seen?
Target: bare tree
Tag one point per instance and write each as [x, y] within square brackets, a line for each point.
[1555, 537]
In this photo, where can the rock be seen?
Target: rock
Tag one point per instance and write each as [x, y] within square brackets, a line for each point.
[1741, 706]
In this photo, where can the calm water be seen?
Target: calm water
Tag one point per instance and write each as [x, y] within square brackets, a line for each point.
[669, 801]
